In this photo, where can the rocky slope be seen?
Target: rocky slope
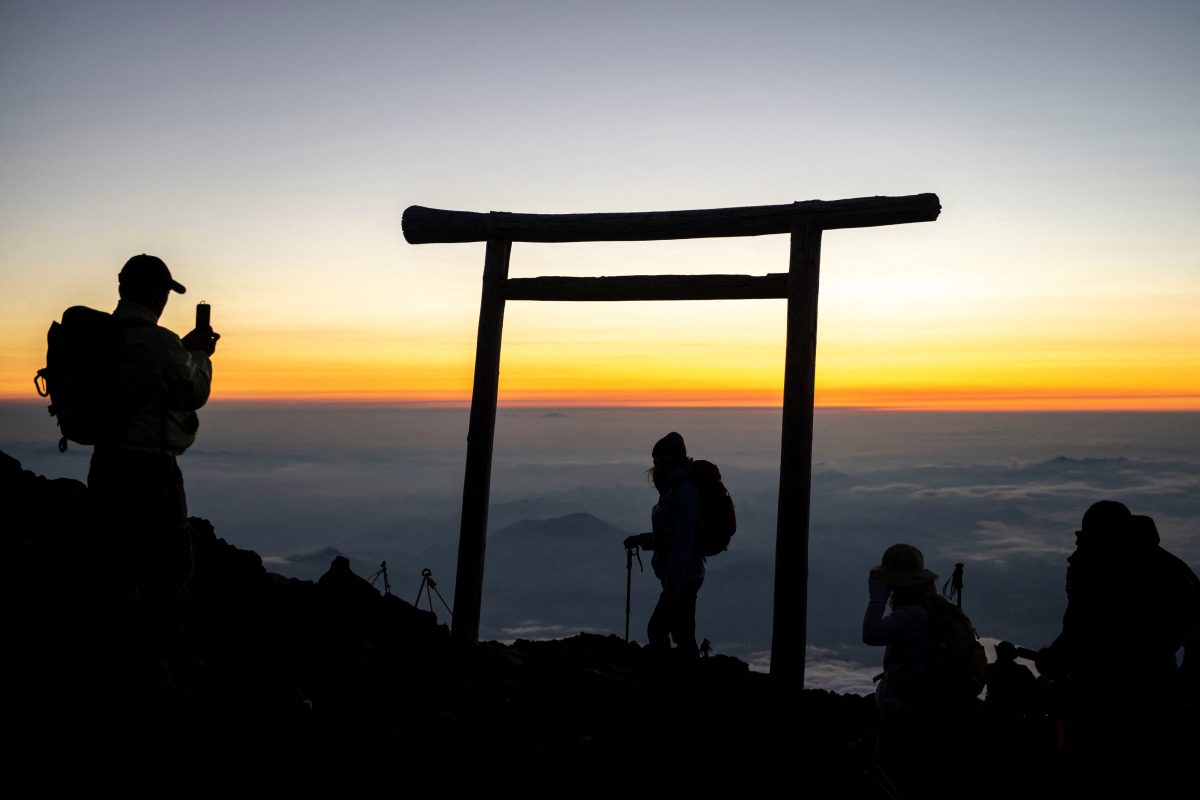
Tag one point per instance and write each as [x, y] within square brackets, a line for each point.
[277, 681]
[272, 677]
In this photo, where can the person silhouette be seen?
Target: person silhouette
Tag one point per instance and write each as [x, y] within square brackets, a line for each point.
[678, 561]
[918, 694]
[134, 480]
[1011, 687]
[1016, 730]
[1131, 606]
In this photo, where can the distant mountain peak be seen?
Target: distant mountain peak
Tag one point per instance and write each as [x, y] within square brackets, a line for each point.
[323, 555]
[577, 525]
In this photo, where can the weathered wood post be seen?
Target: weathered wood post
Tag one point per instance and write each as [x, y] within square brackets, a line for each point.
[789, 625]
[481, 433]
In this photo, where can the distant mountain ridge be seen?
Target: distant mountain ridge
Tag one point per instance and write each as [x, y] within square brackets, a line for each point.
[321, 555]
[578, 526]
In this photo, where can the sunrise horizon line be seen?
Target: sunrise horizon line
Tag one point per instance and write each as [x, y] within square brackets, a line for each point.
[339, 399]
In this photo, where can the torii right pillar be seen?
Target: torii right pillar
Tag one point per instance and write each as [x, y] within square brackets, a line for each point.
[789, 622]
[790, 619]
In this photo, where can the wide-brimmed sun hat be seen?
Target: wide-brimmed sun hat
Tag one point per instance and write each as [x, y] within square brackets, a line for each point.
[903, 565]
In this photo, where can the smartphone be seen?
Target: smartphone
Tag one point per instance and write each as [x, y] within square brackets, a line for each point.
[203, 316]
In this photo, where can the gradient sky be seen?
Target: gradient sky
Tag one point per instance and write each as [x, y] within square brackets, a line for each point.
[267, 150]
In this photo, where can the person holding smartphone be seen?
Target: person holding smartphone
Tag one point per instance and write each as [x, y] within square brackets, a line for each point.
[135, 483]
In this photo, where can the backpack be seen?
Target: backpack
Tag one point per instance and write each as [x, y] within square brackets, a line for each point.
[957, 667]
[82, 376]
[717, 522]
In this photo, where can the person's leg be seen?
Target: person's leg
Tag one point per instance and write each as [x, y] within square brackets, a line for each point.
[165, 559]
[658, 630]
[683, 622]
[144, 551]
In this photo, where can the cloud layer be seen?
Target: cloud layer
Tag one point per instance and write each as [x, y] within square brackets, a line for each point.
[384, 484]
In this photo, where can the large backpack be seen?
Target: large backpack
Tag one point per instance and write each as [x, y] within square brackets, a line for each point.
[82, 376]
[957, 666]
[717, 522]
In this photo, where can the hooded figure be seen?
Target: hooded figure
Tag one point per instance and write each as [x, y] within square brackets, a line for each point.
[677, 562]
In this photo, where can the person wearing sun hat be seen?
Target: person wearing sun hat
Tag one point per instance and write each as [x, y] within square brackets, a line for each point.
[904, 634]
[905, 714]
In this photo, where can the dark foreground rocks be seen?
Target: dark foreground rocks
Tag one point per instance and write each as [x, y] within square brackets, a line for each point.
[294, 685]
[280, 680]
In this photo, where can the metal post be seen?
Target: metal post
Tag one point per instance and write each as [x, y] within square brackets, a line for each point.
[628, 587]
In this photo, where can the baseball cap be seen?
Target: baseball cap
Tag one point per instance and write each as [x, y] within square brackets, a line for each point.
[149, 271]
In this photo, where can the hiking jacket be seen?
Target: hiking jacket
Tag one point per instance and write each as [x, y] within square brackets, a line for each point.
[904, 635]
[673, 536]
[163, 383]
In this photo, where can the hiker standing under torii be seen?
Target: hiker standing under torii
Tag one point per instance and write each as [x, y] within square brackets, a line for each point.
[692, 519]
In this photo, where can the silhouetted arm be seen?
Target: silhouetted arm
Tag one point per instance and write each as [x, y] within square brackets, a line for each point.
[903, 624]
[187, 375]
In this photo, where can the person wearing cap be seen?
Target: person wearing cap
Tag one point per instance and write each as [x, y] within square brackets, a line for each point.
[165, 379]
[677, 562]
[134, 481]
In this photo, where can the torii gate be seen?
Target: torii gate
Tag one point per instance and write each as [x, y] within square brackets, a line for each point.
[805, 221]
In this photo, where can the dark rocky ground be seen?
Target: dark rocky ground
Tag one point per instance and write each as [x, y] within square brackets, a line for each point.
[286, 682]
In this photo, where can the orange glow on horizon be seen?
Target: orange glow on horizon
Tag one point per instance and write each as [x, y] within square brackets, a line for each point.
[899, 400]
[697, 362]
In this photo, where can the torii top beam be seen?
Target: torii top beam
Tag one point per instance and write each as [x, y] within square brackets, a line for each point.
[431, 225]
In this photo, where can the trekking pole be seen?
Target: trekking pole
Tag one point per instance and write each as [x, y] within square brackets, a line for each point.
[953, 586]
[884, 783]
[630, 552]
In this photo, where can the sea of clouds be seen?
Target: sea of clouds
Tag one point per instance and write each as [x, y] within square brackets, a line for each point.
[1000, 493]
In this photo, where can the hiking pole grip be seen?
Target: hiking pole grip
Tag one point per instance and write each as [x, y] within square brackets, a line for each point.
[628, 586]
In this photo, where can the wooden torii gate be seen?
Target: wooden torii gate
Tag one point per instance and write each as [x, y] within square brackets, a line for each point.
[805, 221]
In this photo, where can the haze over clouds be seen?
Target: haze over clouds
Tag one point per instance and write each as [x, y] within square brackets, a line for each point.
[1001, 492]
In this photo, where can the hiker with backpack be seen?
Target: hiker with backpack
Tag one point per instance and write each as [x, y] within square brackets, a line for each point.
[692, 519]
[131, 388]
[933, 667]
[1131, 607]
